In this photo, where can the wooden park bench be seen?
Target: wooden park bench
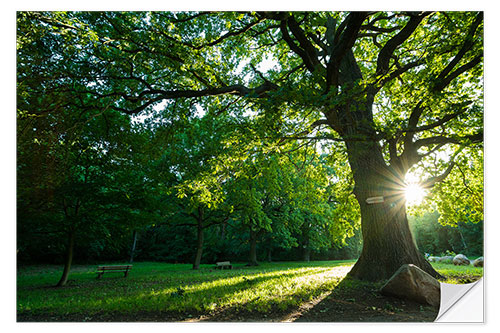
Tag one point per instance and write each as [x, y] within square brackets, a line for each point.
[223, 265]
[113, 268]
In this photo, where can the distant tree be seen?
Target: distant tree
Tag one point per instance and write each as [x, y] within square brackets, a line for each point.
[438, 239]
[63, 177]
[191, 178]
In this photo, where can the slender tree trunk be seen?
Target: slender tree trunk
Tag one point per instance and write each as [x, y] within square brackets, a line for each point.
[222, 231]
[307, 253]
[464, 244]
[387, 239]
[252, 260]
[269, 254]
[69, 258]
[269, 248]
[200, 239]
[134, 243]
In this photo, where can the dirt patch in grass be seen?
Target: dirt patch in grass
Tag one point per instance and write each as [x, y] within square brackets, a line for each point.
[362, 302]
[139, 316]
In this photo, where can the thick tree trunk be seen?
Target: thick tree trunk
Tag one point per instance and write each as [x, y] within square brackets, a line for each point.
[69, 258]
[199, 244]
[387, 240]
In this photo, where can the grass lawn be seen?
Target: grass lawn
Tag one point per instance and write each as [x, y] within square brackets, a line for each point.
[458, 274]
[174, 292]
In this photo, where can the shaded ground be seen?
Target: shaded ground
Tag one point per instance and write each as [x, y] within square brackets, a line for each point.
[363, 303]
[350, 301]
[277, 292]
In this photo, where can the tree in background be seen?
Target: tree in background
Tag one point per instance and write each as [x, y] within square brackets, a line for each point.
[77, 176]
[436, 239]
[73, 183]
[451, 218]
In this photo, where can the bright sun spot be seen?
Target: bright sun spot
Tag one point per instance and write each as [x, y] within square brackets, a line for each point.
[414, 193]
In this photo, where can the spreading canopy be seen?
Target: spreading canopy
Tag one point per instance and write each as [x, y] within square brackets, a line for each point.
[389, 92]
[299, 71]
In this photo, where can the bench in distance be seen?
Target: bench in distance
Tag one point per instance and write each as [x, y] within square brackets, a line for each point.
[114, 268]
[223, 265]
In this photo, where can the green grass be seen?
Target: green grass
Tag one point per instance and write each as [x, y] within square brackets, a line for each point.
[176, 288]
[458, 274]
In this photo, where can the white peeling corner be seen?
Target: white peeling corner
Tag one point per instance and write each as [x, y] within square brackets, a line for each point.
[462, 303]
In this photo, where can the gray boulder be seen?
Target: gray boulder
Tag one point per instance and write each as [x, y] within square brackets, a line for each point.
[410, 282]
[479, 262]
[461, 260]
[433, 259]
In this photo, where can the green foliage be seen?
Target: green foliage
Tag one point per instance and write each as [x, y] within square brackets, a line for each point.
[439, 240]
[155, 287]
[458, 274]
[232, 127]
[459, 197]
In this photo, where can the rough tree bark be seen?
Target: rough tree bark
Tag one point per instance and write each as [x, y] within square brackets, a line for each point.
[387, 240]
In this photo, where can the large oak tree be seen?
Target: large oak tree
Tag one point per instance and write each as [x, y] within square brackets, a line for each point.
[390, 89]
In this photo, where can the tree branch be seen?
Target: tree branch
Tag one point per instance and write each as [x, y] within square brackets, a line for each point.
[439, 122]
[390, 46]
[309, 50]
[412, 124]
[230, 34]
[473, 138]
[434, 180]
[159, 95]
[294, 47]
[441, 84]
[346, 38]
[468, 43]
[398, 72]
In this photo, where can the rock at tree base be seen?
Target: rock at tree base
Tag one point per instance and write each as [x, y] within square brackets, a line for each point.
[461, 260]
[479, 262]
[412, 283]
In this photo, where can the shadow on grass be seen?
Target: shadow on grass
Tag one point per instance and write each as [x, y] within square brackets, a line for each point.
[118, 299]
[359, 301]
